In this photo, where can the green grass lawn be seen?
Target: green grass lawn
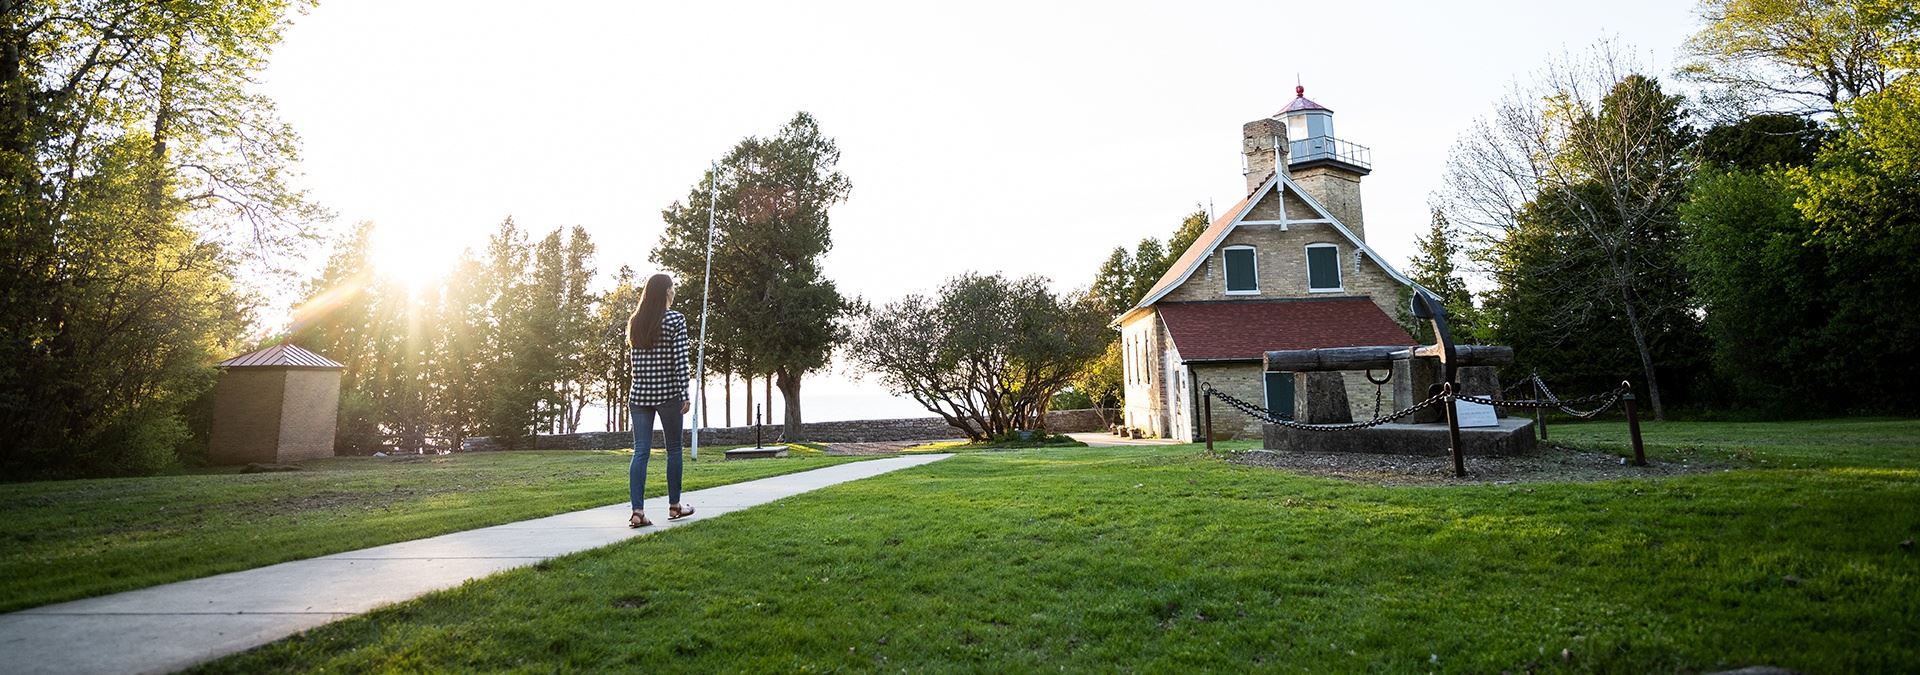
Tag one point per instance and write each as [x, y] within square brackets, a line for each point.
[73, 539]
[991, 445]
[1821, 443]
[1163, 558]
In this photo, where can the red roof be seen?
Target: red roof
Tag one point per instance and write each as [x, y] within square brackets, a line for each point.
[1207, 331]
[281, 356]
[1299, 103]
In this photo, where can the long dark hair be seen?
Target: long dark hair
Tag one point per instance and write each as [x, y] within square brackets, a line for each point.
[643, 328]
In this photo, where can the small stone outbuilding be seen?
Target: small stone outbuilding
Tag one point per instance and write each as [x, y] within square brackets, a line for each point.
[276, 405]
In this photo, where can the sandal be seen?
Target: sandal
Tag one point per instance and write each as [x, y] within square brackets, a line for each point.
[638, 521]
[678, 511]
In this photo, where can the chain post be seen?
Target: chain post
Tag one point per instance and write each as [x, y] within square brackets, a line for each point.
[1453, 431]
[1539, 414]
[1206, 404]
[1633, 424]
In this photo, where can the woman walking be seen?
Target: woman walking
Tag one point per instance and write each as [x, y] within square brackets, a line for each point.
[658, 337]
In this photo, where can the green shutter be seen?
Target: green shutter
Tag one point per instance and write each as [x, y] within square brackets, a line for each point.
[1240, 275]
[1323, 267]
[1280, 394]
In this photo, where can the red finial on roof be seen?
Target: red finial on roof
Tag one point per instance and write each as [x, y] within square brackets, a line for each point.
[1299, 91]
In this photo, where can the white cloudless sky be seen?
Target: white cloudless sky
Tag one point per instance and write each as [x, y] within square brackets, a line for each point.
[1016, 137]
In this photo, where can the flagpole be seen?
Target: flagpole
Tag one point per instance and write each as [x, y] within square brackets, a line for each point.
[706, 283]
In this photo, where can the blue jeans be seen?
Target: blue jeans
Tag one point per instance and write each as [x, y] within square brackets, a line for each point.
[643, 448]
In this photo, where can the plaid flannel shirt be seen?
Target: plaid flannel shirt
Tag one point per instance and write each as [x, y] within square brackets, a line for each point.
[660, 372]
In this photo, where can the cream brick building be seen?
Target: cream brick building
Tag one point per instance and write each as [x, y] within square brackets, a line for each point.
[1288, 267]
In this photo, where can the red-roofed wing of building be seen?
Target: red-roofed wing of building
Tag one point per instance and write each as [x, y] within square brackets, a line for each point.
[1244, 331]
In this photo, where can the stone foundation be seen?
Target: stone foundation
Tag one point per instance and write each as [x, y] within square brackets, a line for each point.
[1514, 436]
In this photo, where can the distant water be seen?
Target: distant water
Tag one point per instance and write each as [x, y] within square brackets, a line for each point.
[835, 400]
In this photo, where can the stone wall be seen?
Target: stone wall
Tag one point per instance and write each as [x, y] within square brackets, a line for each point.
[1247, 382]
[246, 415]
[1244, 381]
[310, 411]
[848, 431]
[1339, 191]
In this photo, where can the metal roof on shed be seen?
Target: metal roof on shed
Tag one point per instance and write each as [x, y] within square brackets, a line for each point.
[282, 356]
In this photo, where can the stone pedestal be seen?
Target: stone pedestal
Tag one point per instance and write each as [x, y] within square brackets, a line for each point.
[1412, 378]
[1514, 436]
[1482, 381]
[1320, 398]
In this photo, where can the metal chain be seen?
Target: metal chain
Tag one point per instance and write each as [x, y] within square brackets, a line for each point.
[1269, 417]
[1606, 399]
[1552, 401]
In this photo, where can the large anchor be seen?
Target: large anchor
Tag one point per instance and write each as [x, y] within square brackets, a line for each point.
[1425, 306]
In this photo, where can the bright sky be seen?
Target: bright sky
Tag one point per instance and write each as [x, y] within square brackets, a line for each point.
[1020, 137]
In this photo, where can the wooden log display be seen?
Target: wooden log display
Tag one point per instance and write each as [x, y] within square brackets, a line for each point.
[1473, 355]
[1331, 358]
[1380, 358]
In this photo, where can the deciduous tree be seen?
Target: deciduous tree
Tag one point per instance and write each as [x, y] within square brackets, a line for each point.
[986, 354]
[1594, 158]
[772, 309]
[1797, 56]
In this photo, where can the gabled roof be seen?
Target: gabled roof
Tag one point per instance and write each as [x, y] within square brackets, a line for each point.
[282, 356]
[1236, 330]
[1190, 260]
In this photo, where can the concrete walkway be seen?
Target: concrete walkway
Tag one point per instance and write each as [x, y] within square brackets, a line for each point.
[170, 627]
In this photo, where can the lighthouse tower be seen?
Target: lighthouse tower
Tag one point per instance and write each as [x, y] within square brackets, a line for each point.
[1323, 165]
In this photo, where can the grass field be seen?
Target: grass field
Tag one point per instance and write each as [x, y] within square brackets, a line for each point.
[1165, 558]
[1821, 443]
[73, 539]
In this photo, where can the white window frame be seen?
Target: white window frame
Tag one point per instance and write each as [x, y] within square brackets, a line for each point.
[1339, 274]
[1225, 275]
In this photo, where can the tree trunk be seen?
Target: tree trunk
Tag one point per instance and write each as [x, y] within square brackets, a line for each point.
[747, 378]
[726, 386]
[790, 390]
[1646, 357]
[767, 388]
[704, 419]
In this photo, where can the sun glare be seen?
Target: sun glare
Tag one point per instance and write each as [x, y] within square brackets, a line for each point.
[415, 260]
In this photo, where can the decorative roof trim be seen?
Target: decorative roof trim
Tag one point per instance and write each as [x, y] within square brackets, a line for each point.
[1285, 184]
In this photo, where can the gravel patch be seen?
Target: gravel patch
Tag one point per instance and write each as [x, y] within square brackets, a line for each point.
[1549, 465]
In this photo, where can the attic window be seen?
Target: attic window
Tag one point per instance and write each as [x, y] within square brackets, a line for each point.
[1242, 275]
[1323, 268]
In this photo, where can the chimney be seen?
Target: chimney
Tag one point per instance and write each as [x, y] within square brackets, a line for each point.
[1264, 147]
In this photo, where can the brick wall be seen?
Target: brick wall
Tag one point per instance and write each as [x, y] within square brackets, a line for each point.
[246, 415]
[1280, 259]
[1241, 380]
[1339, 191]
[309, 414]
[849, 431]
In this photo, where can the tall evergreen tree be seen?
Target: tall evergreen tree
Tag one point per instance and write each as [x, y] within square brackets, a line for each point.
[511, 370]
[463, 352]
[1432, 266]
[772, 302]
